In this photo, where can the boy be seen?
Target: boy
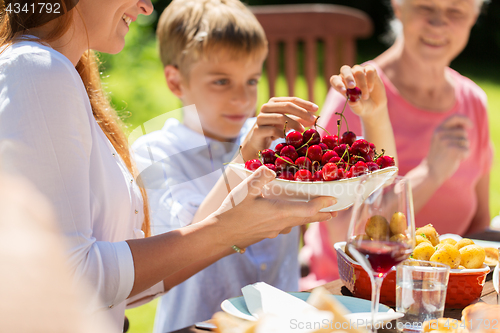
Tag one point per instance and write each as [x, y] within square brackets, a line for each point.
[213, 52]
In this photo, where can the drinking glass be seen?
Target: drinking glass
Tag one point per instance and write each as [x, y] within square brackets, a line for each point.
[382, 231]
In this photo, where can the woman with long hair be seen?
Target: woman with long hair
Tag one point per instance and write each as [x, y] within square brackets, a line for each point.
[58, 130]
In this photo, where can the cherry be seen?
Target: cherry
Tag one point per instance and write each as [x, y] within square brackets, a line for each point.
[360, 147]
[287, 175]
[303, 163]
[341, 151]
[315, 153]
[354, 94]
[278, 147]
[311, 137]
[330, 171]
[253, 165]
[302, 151]
[289, 151]
[338, 161]
[372, 146]
[283, 163]
[331, 141]
[271, 166]
[348, 138]
[318, 176]
[385, 161]
[359, 169]
[369, 157]
[303, 175]
[268, 156]
[323, 146]
[341, 173]
[372, 166]
[327, 156]
[348, 174]
[294, 138]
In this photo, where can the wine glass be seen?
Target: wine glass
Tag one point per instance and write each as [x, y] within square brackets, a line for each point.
[382, 231]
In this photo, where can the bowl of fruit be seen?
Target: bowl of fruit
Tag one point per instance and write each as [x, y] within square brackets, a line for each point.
[466, 260]
[308, 165]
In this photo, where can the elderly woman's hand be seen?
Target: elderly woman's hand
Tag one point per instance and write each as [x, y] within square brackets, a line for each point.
[373, 98]
[247, 217]
[449, 147]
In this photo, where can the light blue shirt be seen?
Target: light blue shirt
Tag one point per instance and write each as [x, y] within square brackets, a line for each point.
[180, 167]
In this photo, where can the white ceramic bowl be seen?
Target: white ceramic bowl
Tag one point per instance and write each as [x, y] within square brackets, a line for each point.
[343, 190]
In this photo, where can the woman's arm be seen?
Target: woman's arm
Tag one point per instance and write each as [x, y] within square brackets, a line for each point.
[481, 219]
[252, 219]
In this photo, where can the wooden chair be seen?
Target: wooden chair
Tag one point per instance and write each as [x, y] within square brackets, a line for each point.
[337, 27]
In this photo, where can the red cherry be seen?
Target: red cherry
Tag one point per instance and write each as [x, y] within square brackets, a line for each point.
[318, 176]
[287, 175]
[348, 174]
[302, 151]
[283, 163]
[268, 156]
[323, 147]
[385, 161]
[341, 173]
[348, 138]
[330, 171]
[369, 157]
[331, 141]
[340, 150]
[359, 169]
[311, 133]
[289, 151]
[303, 163]
[253, 165]
[271, 166]
[354, 94]
[338, 161]
[294, 138]
[278, 147]
[372, 166]
[315, 153]
[360, 147]
[372, 146]
[303, 175]
[327, 156]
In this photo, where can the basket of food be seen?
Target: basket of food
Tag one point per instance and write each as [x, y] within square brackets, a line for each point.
[466, 260]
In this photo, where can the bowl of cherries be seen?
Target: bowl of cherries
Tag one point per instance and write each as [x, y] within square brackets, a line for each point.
[308, 165]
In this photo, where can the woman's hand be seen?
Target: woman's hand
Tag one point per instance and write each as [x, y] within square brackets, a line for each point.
[246, 217]
[373, 98]
[295, 112]
[449, 147]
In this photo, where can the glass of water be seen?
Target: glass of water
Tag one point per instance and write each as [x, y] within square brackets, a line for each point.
[420, 292]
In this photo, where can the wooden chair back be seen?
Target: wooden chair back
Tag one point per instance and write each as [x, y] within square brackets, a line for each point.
[337, 27]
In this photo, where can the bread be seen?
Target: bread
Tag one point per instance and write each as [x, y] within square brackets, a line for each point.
[482, 317]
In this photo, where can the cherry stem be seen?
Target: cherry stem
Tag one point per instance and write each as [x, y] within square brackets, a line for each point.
[284, 129]
[281, 158]
[339, 124]
[316, 125]
[240, 153]
[261, 159]
[305, 144]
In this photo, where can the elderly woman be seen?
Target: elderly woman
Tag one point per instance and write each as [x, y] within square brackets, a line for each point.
[440, 126]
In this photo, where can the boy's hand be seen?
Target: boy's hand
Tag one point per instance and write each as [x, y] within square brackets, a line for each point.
[296, 112]
[373, 99]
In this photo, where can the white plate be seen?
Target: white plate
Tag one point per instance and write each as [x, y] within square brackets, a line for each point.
[479, 242]
[359, 308]
[343, 190]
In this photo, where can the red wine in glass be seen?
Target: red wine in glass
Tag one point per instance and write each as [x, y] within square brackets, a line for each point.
[382, 255]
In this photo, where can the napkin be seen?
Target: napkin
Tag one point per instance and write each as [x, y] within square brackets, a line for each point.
[263, 298]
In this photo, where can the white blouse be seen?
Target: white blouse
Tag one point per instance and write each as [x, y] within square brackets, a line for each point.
[49, 135]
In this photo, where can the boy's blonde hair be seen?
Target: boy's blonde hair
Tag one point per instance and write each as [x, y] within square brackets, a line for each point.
[190, 30]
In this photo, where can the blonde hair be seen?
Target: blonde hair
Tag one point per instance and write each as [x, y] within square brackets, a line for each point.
[14, 27]
[193, 29]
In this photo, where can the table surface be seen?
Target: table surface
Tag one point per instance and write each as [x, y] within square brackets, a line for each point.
[336, 287]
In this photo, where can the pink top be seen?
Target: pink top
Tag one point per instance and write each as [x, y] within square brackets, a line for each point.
[454, 204]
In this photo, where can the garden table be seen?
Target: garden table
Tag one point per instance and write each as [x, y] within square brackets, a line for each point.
[336, 287]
